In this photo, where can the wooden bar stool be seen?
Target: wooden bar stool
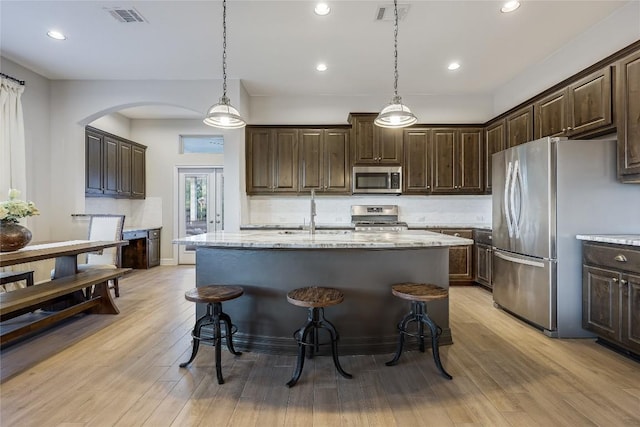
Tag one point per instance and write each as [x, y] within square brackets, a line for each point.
[419, 294]
[315, 299]
[213, 296]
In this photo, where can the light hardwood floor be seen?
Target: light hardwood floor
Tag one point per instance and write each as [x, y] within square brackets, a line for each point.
[123, 370]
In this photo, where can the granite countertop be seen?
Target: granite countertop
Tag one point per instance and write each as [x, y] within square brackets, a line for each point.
[412, 226]
[337, 239]
[618, 239]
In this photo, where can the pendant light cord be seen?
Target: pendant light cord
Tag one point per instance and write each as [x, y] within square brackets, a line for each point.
[224, 49]
[395, 48]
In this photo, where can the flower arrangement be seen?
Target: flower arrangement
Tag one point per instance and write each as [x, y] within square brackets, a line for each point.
[13, 209]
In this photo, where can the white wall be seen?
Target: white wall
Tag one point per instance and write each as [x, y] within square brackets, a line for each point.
[114, 123]
[620, 29]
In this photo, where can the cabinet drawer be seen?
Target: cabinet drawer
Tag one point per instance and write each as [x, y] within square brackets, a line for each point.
[154, 234]
[612, 256]
[482, 237]
[137, 234]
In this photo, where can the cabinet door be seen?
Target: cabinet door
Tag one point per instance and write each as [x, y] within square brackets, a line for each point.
[628, 118]
[389, 145]
[124, 169]
[364, 151]
[601, 301]
[460, 257]
[311, 159]
[138, 172]
[93, 163]
[483, 265]
[494, 142]
[417, 162]
[444, 160]
[337, 173]
[590, 103]
[520, 127]
[153, 248]
[470, 160]
[110, 166]
[630, 328]
[551, 115]
[259, 161]
[285, 152]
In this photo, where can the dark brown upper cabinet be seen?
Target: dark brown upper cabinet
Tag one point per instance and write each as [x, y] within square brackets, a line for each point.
[582, 107]
[457, 160]
[324, 160]
[114, 166]
[494, 141]
[373, 144]
[417, 161]
[628, 118]
[520, 126]
[272, 160]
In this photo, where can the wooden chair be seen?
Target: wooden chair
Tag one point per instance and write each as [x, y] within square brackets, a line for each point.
[104, 227]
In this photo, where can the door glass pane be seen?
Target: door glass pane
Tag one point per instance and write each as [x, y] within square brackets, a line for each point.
[195, 205]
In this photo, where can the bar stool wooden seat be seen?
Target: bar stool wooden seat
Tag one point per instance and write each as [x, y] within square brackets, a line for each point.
[213, 296]
[419, 294]
[315, 298]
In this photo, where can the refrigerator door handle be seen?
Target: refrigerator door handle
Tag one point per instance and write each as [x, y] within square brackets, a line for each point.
[519, 260]
[515, 215]
[506, 199]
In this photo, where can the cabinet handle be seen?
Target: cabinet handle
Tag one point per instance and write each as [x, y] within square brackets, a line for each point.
[564, 130]
[620, 258]
[569, 128]
[623, 282]
[615, 280]
[456, 234]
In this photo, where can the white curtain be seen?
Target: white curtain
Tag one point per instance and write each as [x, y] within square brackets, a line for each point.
[13, 172]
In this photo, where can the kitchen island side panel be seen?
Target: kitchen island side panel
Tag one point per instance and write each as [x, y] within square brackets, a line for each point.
[367, 318]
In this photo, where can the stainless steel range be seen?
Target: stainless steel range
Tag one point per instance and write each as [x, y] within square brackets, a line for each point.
[376, 218]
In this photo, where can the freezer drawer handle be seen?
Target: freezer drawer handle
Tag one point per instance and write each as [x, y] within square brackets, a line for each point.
[519, 260]
[620, 258]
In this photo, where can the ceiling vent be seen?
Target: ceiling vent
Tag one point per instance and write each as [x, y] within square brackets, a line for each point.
[385, 12]
[125, 15]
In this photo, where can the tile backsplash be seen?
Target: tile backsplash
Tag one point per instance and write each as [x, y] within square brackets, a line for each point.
[414, 210]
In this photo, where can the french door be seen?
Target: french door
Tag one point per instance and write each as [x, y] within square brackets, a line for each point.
[200, 206]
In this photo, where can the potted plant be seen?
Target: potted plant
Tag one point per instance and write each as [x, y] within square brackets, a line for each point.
[14, 236]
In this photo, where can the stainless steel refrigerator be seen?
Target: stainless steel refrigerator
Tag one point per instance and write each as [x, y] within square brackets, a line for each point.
[545, 192]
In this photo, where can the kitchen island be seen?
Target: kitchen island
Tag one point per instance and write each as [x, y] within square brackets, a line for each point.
[268, 264]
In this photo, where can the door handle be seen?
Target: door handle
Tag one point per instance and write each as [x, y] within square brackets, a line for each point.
[519, 260]
[512, 198]
[506, 199]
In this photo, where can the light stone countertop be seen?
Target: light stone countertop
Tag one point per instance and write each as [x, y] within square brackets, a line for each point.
[413, 226]
[618, 239]
[336, 239]
[139, 228]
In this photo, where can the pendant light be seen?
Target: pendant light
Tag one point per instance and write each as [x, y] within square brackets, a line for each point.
[396, 114]
[223, 114]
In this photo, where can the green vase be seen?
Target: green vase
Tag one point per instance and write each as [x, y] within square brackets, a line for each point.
[13, 236]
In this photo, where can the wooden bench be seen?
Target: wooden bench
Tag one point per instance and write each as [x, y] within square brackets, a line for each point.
[87, 291]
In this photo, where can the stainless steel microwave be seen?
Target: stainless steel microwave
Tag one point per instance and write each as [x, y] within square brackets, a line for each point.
[377, 179]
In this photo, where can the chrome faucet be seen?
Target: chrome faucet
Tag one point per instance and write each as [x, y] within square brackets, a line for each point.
[312, 222]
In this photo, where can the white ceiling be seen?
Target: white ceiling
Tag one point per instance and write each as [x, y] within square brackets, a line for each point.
[273, 46]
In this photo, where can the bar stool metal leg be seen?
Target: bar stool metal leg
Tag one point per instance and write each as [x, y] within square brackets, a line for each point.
[402, 326]
[435, 336]
[333, 333]
[301, 336]
[206, 319]
[228, 333]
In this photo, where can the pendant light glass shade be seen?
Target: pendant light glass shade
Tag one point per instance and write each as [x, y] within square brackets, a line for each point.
[223, 115]
[395, 114]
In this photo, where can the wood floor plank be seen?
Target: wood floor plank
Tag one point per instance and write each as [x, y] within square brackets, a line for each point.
[123, 370]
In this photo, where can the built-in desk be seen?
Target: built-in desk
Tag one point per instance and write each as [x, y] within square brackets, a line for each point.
[143, 250]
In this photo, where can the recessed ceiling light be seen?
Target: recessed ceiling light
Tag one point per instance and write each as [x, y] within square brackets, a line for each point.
[510, 6]
[322, 9]
[321, 67]
[453, 66]
[56, 35]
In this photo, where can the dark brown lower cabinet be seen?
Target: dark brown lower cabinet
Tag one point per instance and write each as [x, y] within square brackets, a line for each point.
[143, 250]
[482, 257]
[460, 258]
[611, 294]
